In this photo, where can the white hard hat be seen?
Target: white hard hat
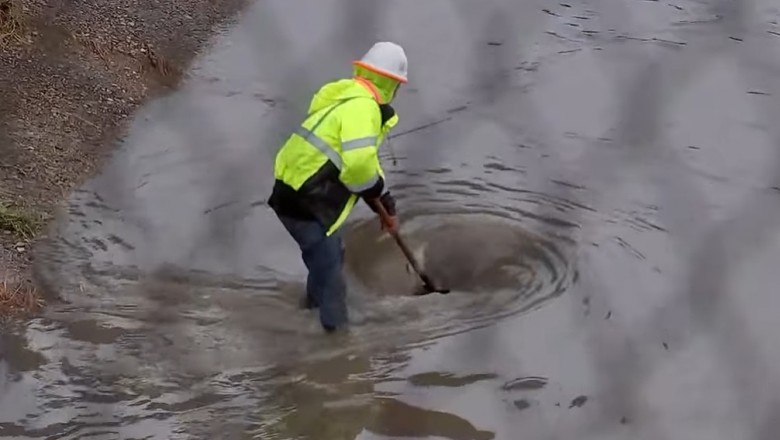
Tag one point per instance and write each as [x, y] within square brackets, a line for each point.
[386, 58]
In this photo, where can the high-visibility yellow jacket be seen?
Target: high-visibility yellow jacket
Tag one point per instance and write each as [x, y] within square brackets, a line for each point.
[333, 157]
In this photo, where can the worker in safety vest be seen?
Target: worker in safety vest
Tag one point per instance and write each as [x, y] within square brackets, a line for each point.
[330, 162]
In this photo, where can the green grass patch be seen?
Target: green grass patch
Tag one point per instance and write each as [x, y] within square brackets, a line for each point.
[22, 223]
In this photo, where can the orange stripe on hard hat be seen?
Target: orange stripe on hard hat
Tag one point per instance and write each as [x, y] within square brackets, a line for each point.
[379, 71]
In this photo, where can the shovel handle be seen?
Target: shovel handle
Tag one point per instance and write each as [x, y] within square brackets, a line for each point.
[383, 214]
[385, 217]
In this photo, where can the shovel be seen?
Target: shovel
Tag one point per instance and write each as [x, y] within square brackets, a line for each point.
[428, 286]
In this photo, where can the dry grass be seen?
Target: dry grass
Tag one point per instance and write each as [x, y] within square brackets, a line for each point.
[167, 72]
[21, 223]
[102, 50]
[11, 22]
[151, 60]
[20, 298]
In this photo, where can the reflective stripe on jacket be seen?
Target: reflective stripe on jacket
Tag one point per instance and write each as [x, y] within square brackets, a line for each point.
[333, 157]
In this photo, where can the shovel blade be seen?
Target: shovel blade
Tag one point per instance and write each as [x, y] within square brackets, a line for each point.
[427, 290]
[428, 287]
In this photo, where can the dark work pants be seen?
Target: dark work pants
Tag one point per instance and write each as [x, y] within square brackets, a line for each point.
[324, 258]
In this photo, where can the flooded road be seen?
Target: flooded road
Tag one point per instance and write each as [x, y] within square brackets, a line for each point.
[596, 182]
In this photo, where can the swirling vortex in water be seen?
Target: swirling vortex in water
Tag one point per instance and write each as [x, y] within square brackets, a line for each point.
[495, 268]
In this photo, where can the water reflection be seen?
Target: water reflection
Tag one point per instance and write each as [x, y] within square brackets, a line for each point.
[336, 399]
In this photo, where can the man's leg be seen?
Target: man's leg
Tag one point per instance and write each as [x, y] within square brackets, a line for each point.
[308, 301]
[306, 234]
[329, 289]
[311, 294]
[323, 257]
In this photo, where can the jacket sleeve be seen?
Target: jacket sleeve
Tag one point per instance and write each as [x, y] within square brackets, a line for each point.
[361, 171]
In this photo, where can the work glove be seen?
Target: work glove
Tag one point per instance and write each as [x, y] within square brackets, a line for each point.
[392, 226]
[388, 202]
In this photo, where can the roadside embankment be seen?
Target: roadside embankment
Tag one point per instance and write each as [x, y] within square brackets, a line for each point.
[71, 74]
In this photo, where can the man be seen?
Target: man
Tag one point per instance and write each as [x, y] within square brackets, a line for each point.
[329, 163]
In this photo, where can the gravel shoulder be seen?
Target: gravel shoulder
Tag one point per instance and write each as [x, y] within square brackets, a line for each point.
[71, 74]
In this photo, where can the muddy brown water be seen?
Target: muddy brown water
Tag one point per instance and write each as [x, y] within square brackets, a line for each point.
[593, 181]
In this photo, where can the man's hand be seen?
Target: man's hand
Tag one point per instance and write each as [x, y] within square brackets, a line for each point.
[384, 206]
[392, 224]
